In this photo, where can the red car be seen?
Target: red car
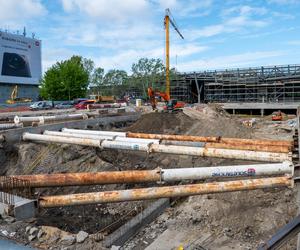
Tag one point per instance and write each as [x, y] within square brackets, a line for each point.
[83, 104]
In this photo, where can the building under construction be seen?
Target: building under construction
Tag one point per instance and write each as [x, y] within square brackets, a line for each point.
[261, 84]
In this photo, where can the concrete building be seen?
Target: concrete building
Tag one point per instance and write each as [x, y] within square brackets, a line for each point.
[20, 64]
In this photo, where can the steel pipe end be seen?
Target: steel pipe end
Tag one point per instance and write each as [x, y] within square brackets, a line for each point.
[24, 136]
[16, 119]
[2, 138]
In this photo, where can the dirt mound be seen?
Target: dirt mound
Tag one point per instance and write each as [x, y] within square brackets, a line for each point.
[203, 120]
[162, 123]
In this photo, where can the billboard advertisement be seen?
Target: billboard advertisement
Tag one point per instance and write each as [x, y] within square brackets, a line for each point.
[20, 59]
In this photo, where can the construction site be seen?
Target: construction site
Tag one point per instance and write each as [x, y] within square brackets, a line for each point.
[211, 162]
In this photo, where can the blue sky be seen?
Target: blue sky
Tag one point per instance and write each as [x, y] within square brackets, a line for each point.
[116, 33]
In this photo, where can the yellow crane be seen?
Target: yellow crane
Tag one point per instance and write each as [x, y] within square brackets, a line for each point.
[169, 19]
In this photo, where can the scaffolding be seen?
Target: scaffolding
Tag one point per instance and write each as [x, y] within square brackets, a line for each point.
[260, 84]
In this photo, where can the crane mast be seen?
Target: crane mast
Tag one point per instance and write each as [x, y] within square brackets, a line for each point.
[167, 21]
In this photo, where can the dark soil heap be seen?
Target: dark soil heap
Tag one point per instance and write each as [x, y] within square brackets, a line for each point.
[162, 123]
[203, 120]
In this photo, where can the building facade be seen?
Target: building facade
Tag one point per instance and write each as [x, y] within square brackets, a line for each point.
[21, 65]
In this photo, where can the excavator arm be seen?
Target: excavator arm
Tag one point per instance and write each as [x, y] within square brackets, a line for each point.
[152, 94]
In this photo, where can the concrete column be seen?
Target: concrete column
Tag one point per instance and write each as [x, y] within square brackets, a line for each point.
[262, 112]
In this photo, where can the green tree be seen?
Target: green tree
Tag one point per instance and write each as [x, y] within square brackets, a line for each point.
[115, 77]
[65, 80]
[97, 78]
[146, 72]
[89, 65]
[114, 80]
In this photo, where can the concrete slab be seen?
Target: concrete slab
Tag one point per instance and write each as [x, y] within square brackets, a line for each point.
[21, 209]
[258, 106]
[25, 209]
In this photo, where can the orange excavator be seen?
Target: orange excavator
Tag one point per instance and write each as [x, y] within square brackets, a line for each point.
[277, 116]
[171, 105]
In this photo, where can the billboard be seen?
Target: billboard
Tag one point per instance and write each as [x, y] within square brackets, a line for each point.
[20, 59]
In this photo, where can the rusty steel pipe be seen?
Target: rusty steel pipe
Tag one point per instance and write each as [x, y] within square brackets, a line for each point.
[90, 178]
[264, 148]
[167, 149]
[221, 153]
[233, 141]
[162, 192]
[156, 175]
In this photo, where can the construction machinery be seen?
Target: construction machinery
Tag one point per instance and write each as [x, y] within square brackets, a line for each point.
[171, 105]
[103, 98]
[277, 116]
[14, 97]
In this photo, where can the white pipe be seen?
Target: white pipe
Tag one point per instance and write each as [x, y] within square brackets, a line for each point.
[43, 119]
[226, 171]
[74, 135]
[99, 137]
[157, 148]
[4, 126]
[134, 140]
[19, 119]
[125, 145]
[94, 132]
[59, 139]
[182, 143]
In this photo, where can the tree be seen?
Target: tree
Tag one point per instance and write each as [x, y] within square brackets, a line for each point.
[113, 82]
[65, 80]
[89, 65]
[115, 77]
[97, 78]
[148, 72]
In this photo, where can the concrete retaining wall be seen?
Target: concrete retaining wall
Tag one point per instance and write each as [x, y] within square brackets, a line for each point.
[130, 228]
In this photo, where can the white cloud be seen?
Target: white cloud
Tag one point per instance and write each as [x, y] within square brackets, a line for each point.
[294, 42]
[284, 2]
[113, 10]
[284, 16]
[53, 55]
[244, 10]
[68, 5]
[232, 61]
[124, 59]
[234, 19]
[14, 13]
[187, 7]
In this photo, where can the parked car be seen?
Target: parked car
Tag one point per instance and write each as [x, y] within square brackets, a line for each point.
[78, 100]
[64, 105]
[83, 104]
[41, 105]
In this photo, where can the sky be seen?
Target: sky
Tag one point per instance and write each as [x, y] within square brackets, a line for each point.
[218, 34]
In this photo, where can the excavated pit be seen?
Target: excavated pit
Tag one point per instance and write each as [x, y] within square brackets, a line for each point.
[224, 210]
